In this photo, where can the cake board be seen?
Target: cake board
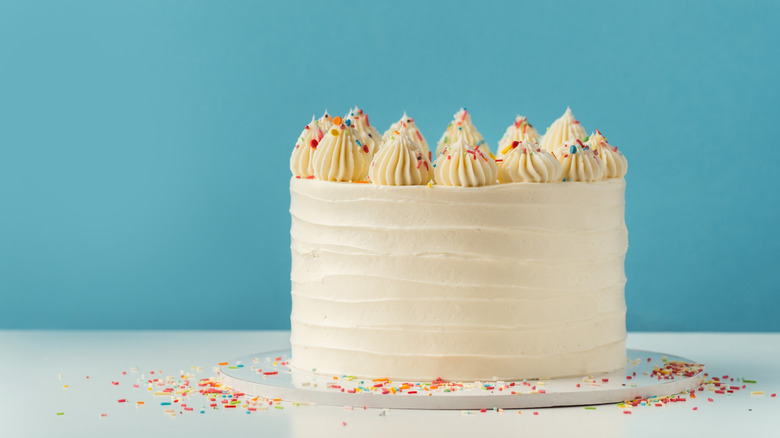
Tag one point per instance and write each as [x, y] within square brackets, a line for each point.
[645, 375]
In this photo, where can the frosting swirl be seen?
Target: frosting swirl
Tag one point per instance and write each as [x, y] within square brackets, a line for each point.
[370, 134]
[341, 156]
[414, 132]
[527, 162]
[301, 157]
[325, 122]
[462, 126]
[579, 162]
[464, 166]
[565, 129]
[615, 163]
[518, 131]
[400, 162]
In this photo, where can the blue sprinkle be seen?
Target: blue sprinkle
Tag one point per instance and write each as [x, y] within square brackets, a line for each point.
[564, 180]
[165, 404]
[348, 122]
[358, 142]
[572, 150]
[241, 366]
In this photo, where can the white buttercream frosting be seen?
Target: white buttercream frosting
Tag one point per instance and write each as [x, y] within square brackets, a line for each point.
[413, 130]
[400, 162]
[340, 155]
[507, 281]
[371, 136]
[326, 121]
[462, 165]
[518, 131]
[615, 164]
[301, 157]
[565, 129]
[579, 162]
[461, 125]
[528, 162]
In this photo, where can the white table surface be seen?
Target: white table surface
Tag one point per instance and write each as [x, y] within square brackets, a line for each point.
[36, 365]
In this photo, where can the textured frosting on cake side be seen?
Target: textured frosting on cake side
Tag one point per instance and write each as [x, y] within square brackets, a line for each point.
[506, 281]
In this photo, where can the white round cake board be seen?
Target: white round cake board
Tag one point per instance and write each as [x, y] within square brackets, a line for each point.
[269, 375]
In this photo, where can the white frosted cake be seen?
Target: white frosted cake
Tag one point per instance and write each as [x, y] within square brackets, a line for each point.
[468, 268]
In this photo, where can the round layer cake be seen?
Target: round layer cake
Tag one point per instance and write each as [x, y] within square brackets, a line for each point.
[470, 267]
[505, 281]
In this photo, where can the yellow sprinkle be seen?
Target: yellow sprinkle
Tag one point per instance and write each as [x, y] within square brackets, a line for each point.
[430, 183]
[493, 157]
[757, 393]
[506, 149]
[334, 132]
[64, 386]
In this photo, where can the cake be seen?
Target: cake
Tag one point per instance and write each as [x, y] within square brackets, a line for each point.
[464, 269]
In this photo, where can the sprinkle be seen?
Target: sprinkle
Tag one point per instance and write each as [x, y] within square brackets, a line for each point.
[313, 143]
[348, 122]
[748, 381]
[121, 400]
[757, 393]
[220, 364]
[334, 132]
[573, 149]
[60, 413]
[337, 120]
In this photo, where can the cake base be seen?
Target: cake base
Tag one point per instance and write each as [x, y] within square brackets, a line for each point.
[269, 375]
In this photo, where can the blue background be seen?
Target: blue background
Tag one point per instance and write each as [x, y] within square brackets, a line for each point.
[144, 146]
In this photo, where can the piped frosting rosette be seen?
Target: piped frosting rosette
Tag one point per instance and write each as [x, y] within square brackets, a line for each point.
[519, 131]
[527, 162]
[461, 125]
[414, 131]
[400, 162]
[564, 130]
[301, 157]
[579, 162]
[370, 134]
[462, 165]
[615, 163]
[341, 155]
